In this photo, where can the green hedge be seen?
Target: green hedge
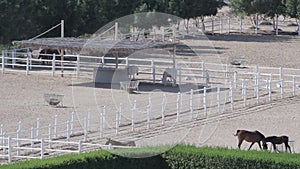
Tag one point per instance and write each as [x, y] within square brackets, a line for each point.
[178, 157]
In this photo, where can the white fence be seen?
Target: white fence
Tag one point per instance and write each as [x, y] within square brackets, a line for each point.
[246, 89]
[223, 24]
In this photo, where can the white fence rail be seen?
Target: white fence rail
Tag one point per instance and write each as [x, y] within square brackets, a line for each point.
[245, 89]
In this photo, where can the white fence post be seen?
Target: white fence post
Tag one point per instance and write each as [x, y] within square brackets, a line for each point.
[228, 25]
[79, 147]
[257, 87]
[37, 128]
[235, 79]
[27, 65]
[117, 121]
[55, 125]
[77, 66]
[178, 106]
[42, 148]
[218, 99]
[281, 88]
[148, 116]
[132, 115]
[231, 97]
[9, 147]
[153, 71]
[191, 102]
[18, 142]
[294, 86]
[3, 61]
[72, 122]
[179, 74]
[102, 61]
[50, 134]
[244, 92]
[32, 137]
[85, 128]
[213, 26]
[221, 26]
[68, 130]
[53, 64]
[205, 101]
[270, 89]
[13, 55]
[163, 107]
[241, 25]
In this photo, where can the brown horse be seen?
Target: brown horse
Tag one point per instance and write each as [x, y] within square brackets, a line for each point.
[249, 136]
[277, 140]
[118, 143]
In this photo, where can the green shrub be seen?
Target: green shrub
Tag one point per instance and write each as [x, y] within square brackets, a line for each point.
[179, 157]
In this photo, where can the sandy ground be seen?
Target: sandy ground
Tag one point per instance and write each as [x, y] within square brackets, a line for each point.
[22, 97]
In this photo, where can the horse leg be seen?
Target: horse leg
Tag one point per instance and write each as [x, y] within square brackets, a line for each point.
[287, 147]
[259, 145]
[251, 145]
[240, 143]
[274, 147]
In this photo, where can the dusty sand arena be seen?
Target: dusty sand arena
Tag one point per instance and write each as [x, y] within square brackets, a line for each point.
[22, 97]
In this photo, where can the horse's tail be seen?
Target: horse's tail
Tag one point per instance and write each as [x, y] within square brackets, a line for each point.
[237, 132]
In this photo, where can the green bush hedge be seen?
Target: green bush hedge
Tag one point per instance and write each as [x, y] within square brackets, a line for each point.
[178, 157]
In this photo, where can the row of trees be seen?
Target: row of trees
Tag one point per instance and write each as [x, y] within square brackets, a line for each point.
[269, 8]
[23, 19]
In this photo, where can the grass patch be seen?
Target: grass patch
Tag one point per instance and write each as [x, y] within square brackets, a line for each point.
[181, 156]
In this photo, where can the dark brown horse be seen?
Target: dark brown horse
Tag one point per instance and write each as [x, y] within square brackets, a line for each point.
[277, 140]
[249, 136]
[118, 143]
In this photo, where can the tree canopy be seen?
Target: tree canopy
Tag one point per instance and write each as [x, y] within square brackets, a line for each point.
[23, 19]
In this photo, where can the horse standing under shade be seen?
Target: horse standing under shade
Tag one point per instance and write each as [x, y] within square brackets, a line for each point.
[277, 140]
[249, 136]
